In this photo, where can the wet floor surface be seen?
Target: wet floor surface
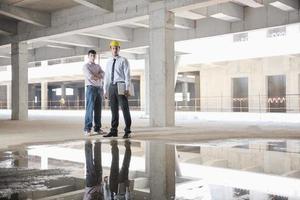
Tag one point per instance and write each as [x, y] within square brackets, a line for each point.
[237, 169]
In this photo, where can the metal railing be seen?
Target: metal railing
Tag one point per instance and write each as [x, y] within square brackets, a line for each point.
[254, 103]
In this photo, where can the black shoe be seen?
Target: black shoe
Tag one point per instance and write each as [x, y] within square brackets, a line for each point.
[127, 135]
[110, 134]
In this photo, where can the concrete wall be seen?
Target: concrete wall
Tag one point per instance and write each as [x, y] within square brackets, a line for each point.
[216, 82]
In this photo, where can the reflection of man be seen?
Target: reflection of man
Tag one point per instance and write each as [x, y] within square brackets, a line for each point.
[93, 189]
[118, 181]
[116, 186]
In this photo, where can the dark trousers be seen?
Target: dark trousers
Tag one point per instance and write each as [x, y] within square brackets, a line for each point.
[117, 176]
[115, 101]
[93, 165]
[93, 106]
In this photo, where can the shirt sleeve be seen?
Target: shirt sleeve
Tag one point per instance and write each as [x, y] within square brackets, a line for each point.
[127, 73]
[101, 72]
[106, 78]
[87, 73]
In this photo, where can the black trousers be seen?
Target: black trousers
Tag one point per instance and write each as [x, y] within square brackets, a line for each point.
[117, 176]
[115, 101]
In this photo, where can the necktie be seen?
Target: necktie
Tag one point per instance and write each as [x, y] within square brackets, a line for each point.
[113, 71]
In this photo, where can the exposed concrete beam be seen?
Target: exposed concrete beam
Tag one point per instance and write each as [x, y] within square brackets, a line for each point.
[251, 3]
[187, 5]
[36, 45]
[102, 5]
[285, 5]
[7, 27]
[26, 15]
[5, 61]
[139, 51]
[40, 44]
[59, 46]
[113, 33]
[141, 24]
[179, 23]
[85, 21]
[25, 2]
[189, 15]
[208, 27]
[76, 40]
[47, 53]
[253, 19]
[184, 23]
[5, 52]
[5, 56]
[226, 11]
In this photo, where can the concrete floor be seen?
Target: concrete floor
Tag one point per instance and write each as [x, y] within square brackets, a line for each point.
[50, 126]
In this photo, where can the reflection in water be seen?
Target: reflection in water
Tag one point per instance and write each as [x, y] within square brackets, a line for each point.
[98, 188]
[106, 169]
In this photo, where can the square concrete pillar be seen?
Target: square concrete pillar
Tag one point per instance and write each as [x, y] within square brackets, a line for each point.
[19, 69]
[162, 171]
[44, 95]
[161, 70]
[8, 96]
[197, 92]
[144, 86]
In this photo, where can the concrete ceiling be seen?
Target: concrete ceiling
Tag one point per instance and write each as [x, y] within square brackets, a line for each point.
[43, 5]
[70, 27]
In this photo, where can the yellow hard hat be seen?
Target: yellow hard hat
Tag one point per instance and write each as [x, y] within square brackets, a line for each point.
[114, 43]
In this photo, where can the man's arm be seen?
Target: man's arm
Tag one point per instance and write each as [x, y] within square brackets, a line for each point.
[100, 74]
[127, 74]
[106, 79]
[88, 73]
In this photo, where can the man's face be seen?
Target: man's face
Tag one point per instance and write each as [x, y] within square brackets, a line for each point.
[92, 57]
[115, 51]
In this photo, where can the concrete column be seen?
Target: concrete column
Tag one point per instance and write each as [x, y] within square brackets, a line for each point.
[44, 95]
[31, 94]
[185, 90]
[197, 92]
[63, 91]
[292, 87]
[162, 171]
[147, 158]
[19, 57]
[8, 95]
[161, 70]
[177, 65]
[77, 99]
[142, 89]
[63, 99]
[20, 158]
[258, 87]
[145, 87]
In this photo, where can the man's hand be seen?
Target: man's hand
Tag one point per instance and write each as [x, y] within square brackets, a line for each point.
[105, 95]
[95, 78]
[101, 75]
[126, 93]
